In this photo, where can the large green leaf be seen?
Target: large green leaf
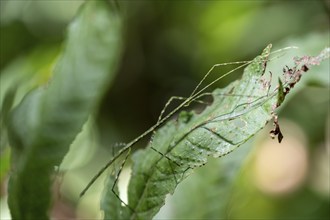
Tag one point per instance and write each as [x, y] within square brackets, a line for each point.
[44, 124]
[187, 142]
[237, 113]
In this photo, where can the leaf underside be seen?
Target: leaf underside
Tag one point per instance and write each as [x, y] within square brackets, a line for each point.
[185, 143]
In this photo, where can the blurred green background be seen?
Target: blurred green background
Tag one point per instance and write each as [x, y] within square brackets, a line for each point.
[169, 46]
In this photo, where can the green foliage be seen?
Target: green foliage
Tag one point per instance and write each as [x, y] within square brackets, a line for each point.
[44, 124]
[218, 130]
[237, 113]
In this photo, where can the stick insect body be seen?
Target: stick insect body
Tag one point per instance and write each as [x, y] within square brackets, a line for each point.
[161, 119]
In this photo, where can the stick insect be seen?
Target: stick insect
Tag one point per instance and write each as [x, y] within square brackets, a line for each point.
[194, 97]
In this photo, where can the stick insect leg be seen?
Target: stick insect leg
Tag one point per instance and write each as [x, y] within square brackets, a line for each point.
[211, 69]
[270, 82]
[176, 98]
[170, 162]
[164, 155]
[117, 177]
[169, 102]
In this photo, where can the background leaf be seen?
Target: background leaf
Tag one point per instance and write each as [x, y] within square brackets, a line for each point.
[45, 123]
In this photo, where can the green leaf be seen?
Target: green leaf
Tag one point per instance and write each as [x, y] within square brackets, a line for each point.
[186, 143]
[28, 72]
[45, 123]
[20, 77]
[219, 129]
[237, 113]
